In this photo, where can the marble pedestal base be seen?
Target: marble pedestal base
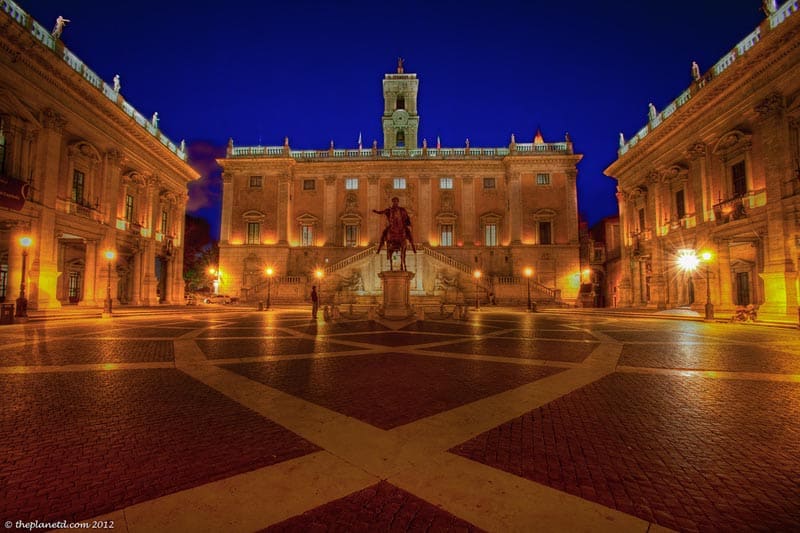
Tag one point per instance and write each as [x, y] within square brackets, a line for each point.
[396, 295]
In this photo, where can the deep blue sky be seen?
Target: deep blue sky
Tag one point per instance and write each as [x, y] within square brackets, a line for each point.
[259, 70]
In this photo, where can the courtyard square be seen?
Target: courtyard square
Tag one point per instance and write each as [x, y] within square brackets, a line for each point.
[241, 420]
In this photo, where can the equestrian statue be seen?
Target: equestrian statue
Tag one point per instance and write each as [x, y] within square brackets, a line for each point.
[397, 234]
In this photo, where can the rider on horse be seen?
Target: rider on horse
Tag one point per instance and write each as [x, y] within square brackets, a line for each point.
[397, 217]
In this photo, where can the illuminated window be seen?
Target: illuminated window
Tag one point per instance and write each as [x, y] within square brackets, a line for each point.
[446, 235]
[253, 233]
[543, 179]
[307, 236]
[545, 232]
[445, 183]
[401, 138]
[129, 208]
[164, 220]
[680, 204]
[3, 282]
[309, 185]
[490, 234]
[77, 186]
[399, 183]
[351, 184]
[351, 235]
[489, 183]
[256, 182]
[739, 179]
[74, 286]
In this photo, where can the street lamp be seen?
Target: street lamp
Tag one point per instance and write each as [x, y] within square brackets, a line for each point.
[706, 256]
[110, 255]
[269, 271]
[217, 274]
[477, 275]
[22, 302]
[319, 274]
[528, 273]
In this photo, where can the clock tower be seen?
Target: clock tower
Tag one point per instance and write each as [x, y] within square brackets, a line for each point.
[400, 119]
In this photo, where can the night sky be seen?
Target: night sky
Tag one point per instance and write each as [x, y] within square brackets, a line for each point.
[258, 71]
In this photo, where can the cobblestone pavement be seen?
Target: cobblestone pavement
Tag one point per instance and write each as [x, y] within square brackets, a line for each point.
[509, 421]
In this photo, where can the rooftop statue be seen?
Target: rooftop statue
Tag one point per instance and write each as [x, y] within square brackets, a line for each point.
[117, 85]
[154, 120]
[769, 7]
[59, 27]
[621, 140]
[651, 113]
[695, 71]
[399, 65]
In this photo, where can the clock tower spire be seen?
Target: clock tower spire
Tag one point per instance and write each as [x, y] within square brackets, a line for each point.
[400, 119]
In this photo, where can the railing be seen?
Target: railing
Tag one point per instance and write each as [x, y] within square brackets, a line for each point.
[554, 294]
[458, 265]
[41, 34]
[363, 254]
[397, 153]
[737, 207]
[719, 67]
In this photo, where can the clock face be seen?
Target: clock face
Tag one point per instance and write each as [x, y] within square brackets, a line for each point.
[400, 118]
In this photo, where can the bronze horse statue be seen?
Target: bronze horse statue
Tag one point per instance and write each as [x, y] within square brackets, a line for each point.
[397, 235]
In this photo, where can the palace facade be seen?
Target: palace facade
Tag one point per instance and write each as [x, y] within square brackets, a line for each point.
[493, 210]
[715, 176]
[82, 173]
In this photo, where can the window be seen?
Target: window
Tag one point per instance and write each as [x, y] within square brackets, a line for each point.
[77, 186]
[351, 235]
[351, 184]
[445, 183]
[2, 152]
[3, 282]
[309, 185]
[489, 183]
[74, 286]
[129, 208]
[253, 233]
[256, 182]
[399, 183]
[490, 234]
[401, 103]
[739, 179]
[545, 232]
[164, 220]
[641, 219]
[401, 139]
[447, 235]
[680, 204]
[543, 179]
[307, 238]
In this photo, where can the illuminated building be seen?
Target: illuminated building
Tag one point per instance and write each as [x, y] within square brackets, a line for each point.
[498, 210]
[718, 169]
[82, 173]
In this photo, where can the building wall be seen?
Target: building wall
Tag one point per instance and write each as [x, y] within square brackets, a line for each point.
[730, 145]
[56, 126]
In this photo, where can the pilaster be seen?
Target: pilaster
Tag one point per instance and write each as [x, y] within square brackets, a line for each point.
[468, 210]
[515, 208]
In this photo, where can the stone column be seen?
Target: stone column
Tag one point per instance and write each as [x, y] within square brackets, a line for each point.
[283, 222]
[374, 222]
[780, 290]
[657, 262]
[136, 281]
[329, 211]
[722, 291]
[227, 208]
[423, 224]
[468, 210]
[90, 277]
[572, 206]
[624, 289]
[515, 208]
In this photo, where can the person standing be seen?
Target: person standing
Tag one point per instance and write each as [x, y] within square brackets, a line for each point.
[314, 301]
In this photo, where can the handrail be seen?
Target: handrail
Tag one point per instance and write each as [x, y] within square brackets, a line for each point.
[458, 265]
[398, 153]
[349, 260]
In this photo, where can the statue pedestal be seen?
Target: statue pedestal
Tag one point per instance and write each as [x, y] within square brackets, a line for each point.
[396, 294]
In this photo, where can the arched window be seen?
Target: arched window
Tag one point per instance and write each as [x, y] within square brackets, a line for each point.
[401, 102]
[401, 139]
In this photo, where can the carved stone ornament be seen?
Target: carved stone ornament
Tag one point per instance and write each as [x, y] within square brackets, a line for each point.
[52, 120]
[770, 106]
[732, 143]
[696, 151]
[447, 201]
[351, 202]
[654, 176]
[676, 173]
[622, 195]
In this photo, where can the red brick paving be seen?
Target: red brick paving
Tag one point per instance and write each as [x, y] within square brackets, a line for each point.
[382, 507]
[398, 338]
[451, 327]
[720, 357]
[87, 351]
[686, 453]
[550, 350]
[82, 444]
[244, 332]
[391, 389]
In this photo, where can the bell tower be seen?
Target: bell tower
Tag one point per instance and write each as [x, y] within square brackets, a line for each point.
[400, 119]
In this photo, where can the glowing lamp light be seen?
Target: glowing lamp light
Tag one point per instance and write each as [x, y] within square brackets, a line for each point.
[528, 272]
[688, 261]
[25, 242]
[706, 256]
[269, 271]
[110, 255]
[319, 273]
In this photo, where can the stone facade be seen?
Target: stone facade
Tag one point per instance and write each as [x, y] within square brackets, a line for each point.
[497, 210]
[98, 177]
[718, 170]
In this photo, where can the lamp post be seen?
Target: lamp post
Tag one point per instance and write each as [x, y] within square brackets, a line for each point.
[319, 274]
[477, 275]
[528, 273]
[706, 257]
[269, 271]
[110, 255]
[22, 302]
